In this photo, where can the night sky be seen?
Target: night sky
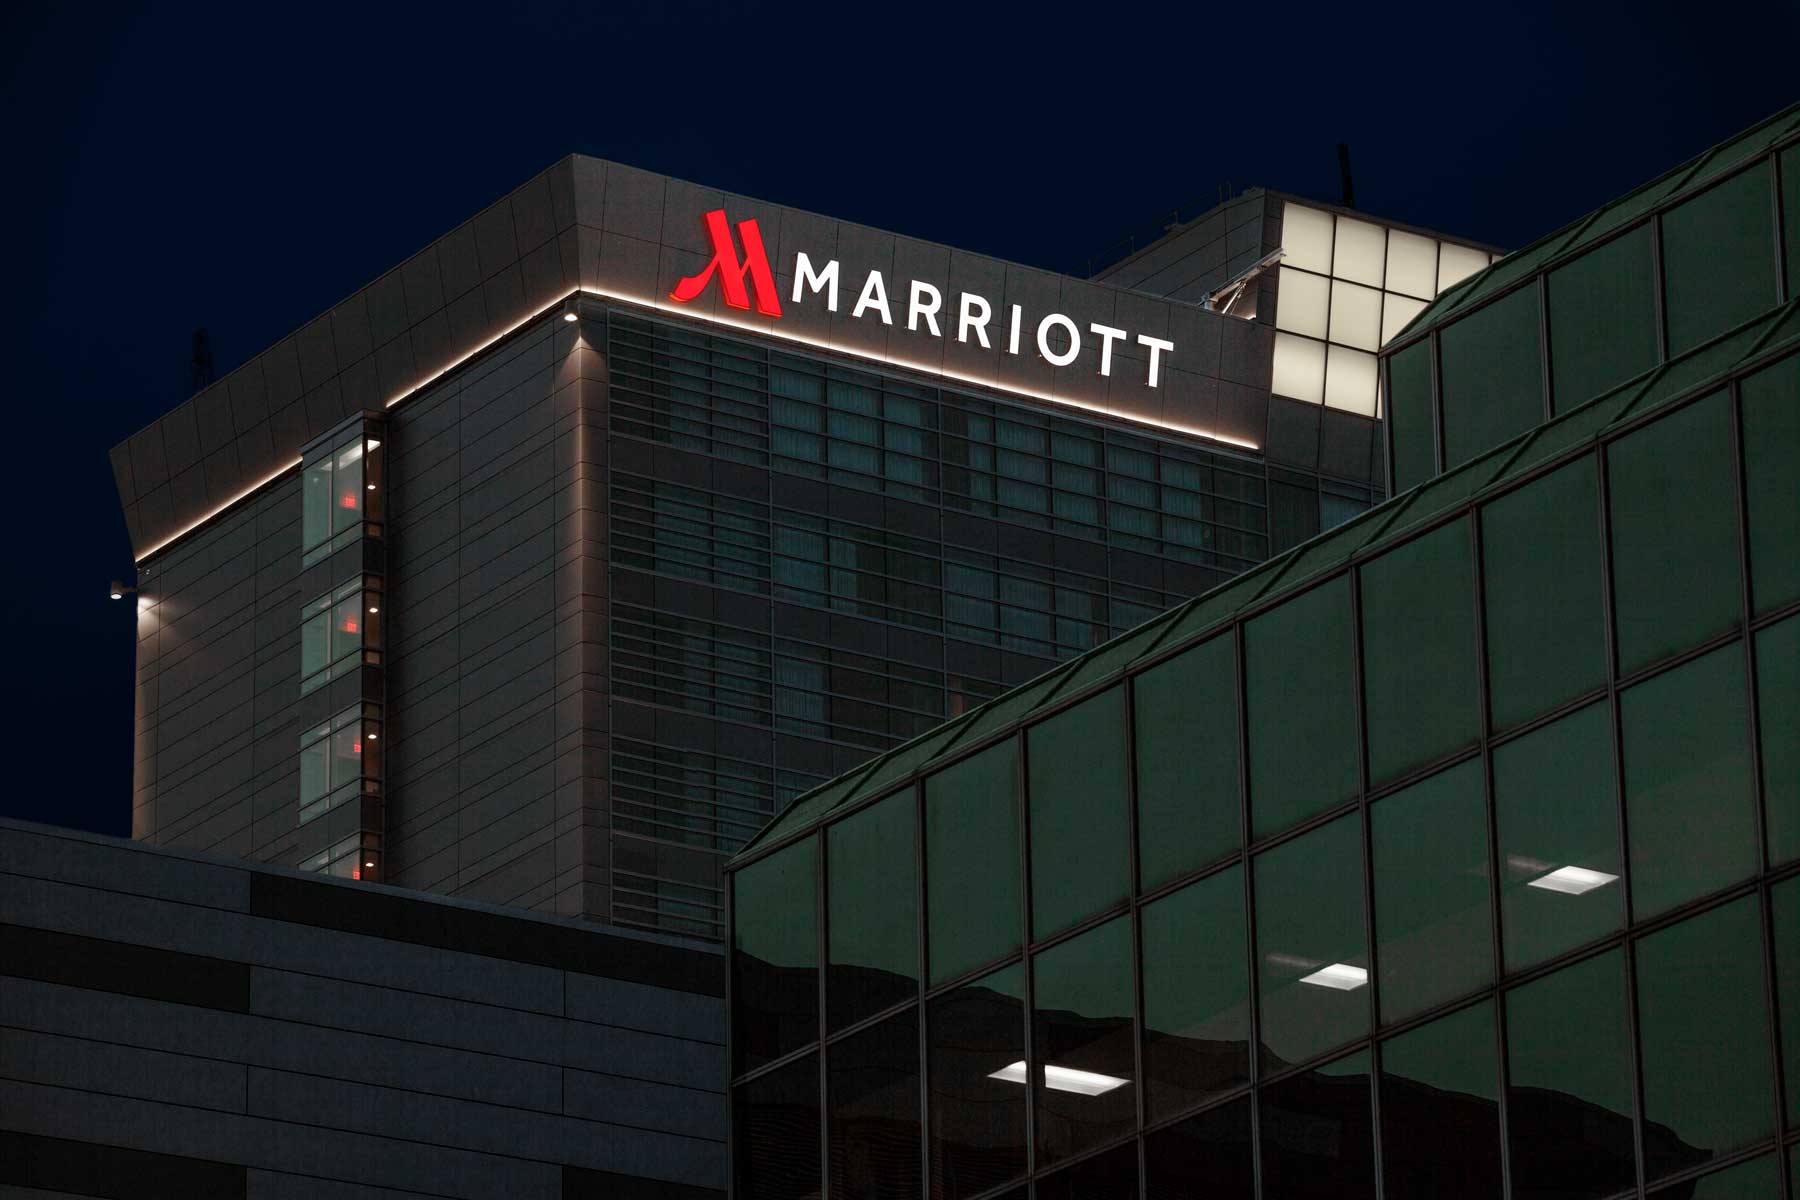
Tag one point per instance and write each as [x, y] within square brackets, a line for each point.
[243, 168]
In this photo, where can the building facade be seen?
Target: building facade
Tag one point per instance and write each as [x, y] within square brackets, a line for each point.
[180, 1025]
[546, 568]
[1455, 852]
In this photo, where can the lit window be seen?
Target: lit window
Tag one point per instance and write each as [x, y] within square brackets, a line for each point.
[1360, 252]
[1302, 303]
[1299, 370]
[1411, 264]
[1396, 313]
[1355, 316]
[1306, 238]
[1350, 381]
[339, 760]
[1457, 263]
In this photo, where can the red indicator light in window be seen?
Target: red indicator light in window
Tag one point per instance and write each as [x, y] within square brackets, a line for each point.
[349, 625]
[356, 747]
[347, 500]
[356, 872]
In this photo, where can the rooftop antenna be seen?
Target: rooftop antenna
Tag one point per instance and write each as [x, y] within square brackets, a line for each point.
[1348, 184]
[200, 367]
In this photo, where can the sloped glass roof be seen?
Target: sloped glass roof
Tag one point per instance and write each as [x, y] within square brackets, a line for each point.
[1207, 614]
[1689, 177]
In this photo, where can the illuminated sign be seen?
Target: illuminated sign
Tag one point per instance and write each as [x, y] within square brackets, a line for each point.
[1056, 335]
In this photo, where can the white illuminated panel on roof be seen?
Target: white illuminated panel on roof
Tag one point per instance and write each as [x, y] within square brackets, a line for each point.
[1366, 282]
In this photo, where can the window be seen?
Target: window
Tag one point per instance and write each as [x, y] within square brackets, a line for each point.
[874, 1111]
[976, 1069]
[1083, 1031]
[1080, 830]
[873, 927]
[1433, 930]
[1784, 905]
[1703, 1024]
[1109, 1176]
[355, 857]
[972, 862]
[1777, 701]
[1556, 810]
[1187, 761]
[1440, 1110]
[1757, 1179]
[1689, 809]
[1209, 1155]
[339, 760]
[1718, 258]
[1196, 994]
[1602, 319]
[1493, 382]
[1301, 688]
[340, 489]
[1771, 440]
[1311, 950]
[777, 1128]
[1790, 225]
[1411, 418]
[1675, 533]
[1419, 607]
[1318, 1136]
[775, 987]
[1541, 576]
[1569, 1095]
[339, 631]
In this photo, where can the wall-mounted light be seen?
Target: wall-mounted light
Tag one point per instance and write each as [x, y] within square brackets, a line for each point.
[119, 591]
[569, 316]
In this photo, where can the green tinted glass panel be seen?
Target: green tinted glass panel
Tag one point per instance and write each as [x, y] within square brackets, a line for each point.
[1311, 947]
[775, 953]
[1689, 808]
[1719, 259]
[777, 1125]
[1433, 922]
[1187, 761]
[1703, 1025]
[1493, 376]
[1418, 607]
[1675, 533]
[1758, 1179]
[976, 1061]
[1196, 993]
[1790, 225]
[1082, 993]
[1557, 812]
[1546, 607]
[1778, 712]
[1771, 482]
[973, 907]
[1409, 416]
[873, 1145]
[1784, 903]
[1440, 1109]
[1080, 824]
[1569, 1096]
[1318, 1137]
[1602, 319]
[315, 644]
[872, 876]
[1300, 682]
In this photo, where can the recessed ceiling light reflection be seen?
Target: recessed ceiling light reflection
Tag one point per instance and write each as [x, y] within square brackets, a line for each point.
[1342, 976]
[1572, 881]
[1064, 1079]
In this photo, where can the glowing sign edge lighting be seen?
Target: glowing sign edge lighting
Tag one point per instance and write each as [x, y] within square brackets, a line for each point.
[683, 311]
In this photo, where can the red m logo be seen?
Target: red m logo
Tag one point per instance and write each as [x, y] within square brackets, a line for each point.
[731, 272]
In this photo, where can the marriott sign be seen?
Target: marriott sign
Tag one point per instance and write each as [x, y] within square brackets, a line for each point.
[971, 319]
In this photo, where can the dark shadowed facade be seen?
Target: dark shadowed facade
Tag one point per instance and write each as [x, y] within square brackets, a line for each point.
[1454, 852]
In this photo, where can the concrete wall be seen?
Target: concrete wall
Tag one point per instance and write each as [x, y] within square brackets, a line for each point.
[174, 1025]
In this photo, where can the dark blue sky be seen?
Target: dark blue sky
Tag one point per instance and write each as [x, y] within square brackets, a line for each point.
[244, 167]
